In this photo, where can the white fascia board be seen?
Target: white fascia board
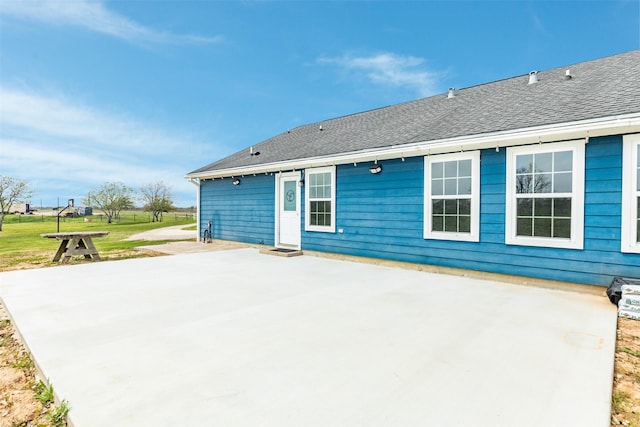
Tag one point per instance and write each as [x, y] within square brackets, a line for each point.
[612, 125]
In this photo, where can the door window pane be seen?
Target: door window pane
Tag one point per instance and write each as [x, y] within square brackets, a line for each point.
[289, 196]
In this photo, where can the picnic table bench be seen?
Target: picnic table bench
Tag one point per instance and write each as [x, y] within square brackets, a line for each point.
[76, 243]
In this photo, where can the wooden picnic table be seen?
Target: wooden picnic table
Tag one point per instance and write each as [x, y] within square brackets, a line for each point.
[76, 243]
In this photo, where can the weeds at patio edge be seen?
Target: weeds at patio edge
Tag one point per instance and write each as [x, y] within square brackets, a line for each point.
[23, 402]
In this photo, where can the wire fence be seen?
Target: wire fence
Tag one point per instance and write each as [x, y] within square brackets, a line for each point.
[124, 217]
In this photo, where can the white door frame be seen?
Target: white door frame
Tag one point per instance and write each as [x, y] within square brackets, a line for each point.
[280, 179]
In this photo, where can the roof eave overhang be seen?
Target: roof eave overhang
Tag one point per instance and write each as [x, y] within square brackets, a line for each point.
[629, 123]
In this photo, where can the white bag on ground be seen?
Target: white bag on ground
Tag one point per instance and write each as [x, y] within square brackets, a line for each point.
[631, 289]
[629, 299]
[629, 314]
[629, 307]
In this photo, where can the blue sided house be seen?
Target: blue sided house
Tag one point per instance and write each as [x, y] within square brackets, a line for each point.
[537, 175]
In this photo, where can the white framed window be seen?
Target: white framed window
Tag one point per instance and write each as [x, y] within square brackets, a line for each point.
[545, 195]
[631, 193]
[452, 196]
[320, 199]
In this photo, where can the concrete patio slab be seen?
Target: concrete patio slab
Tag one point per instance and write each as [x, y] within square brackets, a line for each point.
[236, 338]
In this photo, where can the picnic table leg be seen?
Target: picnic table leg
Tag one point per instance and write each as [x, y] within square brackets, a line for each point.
[62, 249]
[92, 250]
[82, 248]
[71, 250]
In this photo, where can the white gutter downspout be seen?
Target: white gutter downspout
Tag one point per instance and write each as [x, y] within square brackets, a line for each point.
[196, 182]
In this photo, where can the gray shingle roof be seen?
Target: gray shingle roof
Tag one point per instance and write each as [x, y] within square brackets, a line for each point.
[600, 88]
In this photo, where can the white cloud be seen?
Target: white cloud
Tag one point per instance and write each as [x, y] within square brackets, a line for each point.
[92, 15]
[62, 144]
[391, 70]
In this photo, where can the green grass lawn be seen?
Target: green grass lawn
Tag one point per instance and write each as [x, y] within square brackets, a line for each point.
[21, 245]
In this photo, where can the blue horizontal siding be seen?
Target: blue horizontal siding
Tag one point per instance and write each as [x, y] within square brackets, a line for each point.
[243, 213]
[382, 216]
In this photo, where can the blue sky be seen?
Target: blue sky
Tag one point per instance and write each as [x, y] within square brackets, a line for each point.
[146, 91]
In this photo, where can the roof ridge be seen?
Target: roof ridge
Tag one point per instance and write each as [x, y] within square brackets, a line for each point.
[457, 90]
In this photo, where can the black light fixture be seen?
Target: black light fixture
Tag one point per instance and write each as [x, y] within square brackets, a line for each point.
[375, 168]
[236, 181]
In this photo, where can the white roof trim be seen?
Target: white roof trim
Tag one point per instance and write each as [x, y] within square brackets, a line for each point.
[629, 123]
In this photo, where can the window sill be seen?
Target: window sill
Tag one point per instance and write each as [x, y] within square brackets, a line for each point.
[320, 229]
[545, 242]
[458, 237]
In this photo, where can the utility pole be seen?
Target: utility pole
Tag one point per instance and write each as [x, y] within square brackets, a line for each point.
[69, 204]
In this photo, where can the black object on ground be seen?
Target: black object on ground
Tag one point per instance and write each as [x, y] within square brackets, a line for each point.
[614, 291]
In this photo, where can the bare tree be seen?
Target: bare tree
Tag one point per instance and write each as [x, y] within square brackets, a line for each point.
[157, 199]
[11, 191]
[527, 182]
[110, 198]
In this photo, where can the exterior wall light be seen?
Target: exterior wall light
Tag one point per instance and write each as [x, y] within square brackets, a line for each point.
[236, 181]
[375, 168]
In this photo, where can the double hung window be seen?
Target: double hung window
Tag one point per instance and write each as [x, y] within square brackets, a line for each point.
[631, 194]
[545, 195]
[320, 196]
[452, 193]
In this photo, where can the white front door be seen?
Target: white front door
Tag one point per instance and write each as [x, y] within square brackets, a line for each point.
[288, 210]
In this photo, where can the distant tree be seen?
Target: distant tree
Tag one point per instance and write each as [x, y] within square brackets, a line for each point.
[157, 199]
[110, 198]
[11, 191]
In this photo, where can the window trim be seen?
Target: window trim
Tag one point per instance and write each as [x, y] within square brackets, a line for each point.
[474, 235]
[577, 196]
[629, 226]
[307, 202]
